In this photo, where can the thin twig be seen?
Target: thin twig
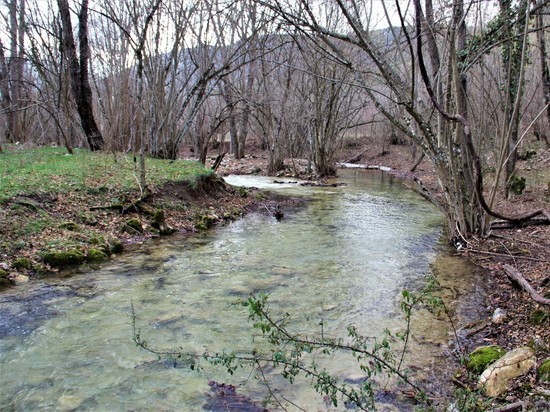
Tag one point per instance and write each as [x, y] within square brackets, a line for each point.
[508, 256]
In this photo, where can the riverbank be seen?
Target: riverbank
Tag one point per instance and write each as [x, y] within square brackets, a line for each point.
[89, 213]
[59, 211]
[526, 249]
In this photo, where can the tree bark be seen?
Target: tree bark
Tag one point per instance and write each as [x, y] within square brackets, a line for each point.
[544, 70]
[5, 90]
[78, 68]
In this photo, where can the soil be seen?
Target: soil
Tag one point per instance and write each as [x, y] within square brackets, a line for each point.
[526, 249]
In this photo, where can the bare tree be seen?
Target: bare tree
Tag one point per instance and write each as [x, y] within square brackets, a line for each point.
[450, 147]
[79, 67]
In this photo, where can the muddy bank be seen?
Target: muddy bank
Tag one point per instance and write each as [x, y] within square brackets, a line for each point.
[49, 232]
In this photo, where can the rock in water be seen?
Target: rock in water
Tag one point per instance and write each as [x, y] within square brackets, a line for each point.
[224, 398]
[20, 279]
[494, 379]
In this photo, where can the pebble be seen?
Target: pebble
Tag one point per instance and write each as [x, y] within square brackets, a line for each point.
[499, 315]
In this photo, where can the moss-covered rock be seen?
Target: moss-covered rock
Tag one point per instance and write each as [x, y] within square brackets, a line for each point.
[132, 226]
[538, 317]
[543, 372]
[114, 245]
[96, 256]
[63, 259]
[22, 263]
[4, 281]
[72, 226]
[204, 222]
[158, 222]
[88, 219]
[517, 184]
[483, 356]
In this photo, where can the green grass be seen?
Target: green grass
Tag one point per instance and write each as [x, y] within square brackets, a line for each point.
[51, 169]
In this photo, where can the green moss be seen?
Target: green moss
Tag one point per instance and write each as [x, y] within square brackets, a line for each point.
[96, 256]
[63, 259]
[242, 191]
[113, 245]
[96, 240]
[87, 219]
[158, 222]
[483, 356]
[72, 226]
[543, 372]
[132, 226]
[158, 219]
[22, 263]
[516, 184]
[538, 317]
[4, 281]
[527, 154]
[204, 222]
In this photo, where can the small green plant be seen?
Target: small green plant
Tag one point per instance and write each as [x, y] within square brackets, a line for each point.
[466, 400]
[288, 353]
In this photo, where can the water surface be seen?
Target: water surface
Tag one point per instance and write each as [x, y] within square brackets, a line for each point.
[344, 258]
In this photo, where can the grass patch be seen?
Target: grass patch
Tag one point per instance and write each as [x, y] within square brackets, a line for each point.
[29, 171]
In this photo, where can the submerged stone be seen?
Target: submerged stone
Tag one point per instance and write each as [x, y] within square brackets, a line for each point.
[483, 356]
[20, 279]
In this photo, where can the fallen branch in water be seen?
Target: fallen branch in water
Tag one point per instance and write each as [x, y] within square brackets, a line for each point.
[526, 286]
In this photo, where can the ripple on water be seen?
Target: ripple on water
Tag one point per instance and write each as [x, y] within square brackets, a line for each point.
[335, 261]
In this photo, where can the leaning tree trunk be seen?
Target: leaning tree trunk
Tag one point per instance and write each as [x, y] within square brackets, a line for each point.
[78, 68]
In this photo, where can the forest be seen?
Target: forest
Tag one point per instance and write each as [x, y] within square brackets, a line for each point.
[460, 88]
[452, 79]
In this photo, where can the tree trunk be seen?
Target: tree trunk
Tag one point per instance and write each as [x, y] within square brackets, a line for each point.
[5, 90]
[544, 70]
[511, 57]
[80, 84]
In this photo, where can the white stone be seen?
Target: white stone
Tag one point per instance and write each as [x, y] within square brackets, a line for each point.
[20, 279]
[494, 379]
[499, 315]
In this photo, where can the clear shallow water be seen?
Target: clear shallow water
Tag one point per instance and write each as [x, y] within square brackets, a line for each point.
[345, 257]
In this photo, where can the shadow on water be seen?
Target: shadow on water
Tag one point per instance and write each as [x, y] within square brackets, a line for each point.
[21, 315]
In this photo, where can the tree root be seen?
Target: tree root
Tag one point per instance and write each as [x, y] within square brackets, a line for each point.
[134, 206]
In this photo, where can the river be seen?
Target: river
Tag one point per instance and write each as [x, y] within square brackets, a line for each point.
[343, 258]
